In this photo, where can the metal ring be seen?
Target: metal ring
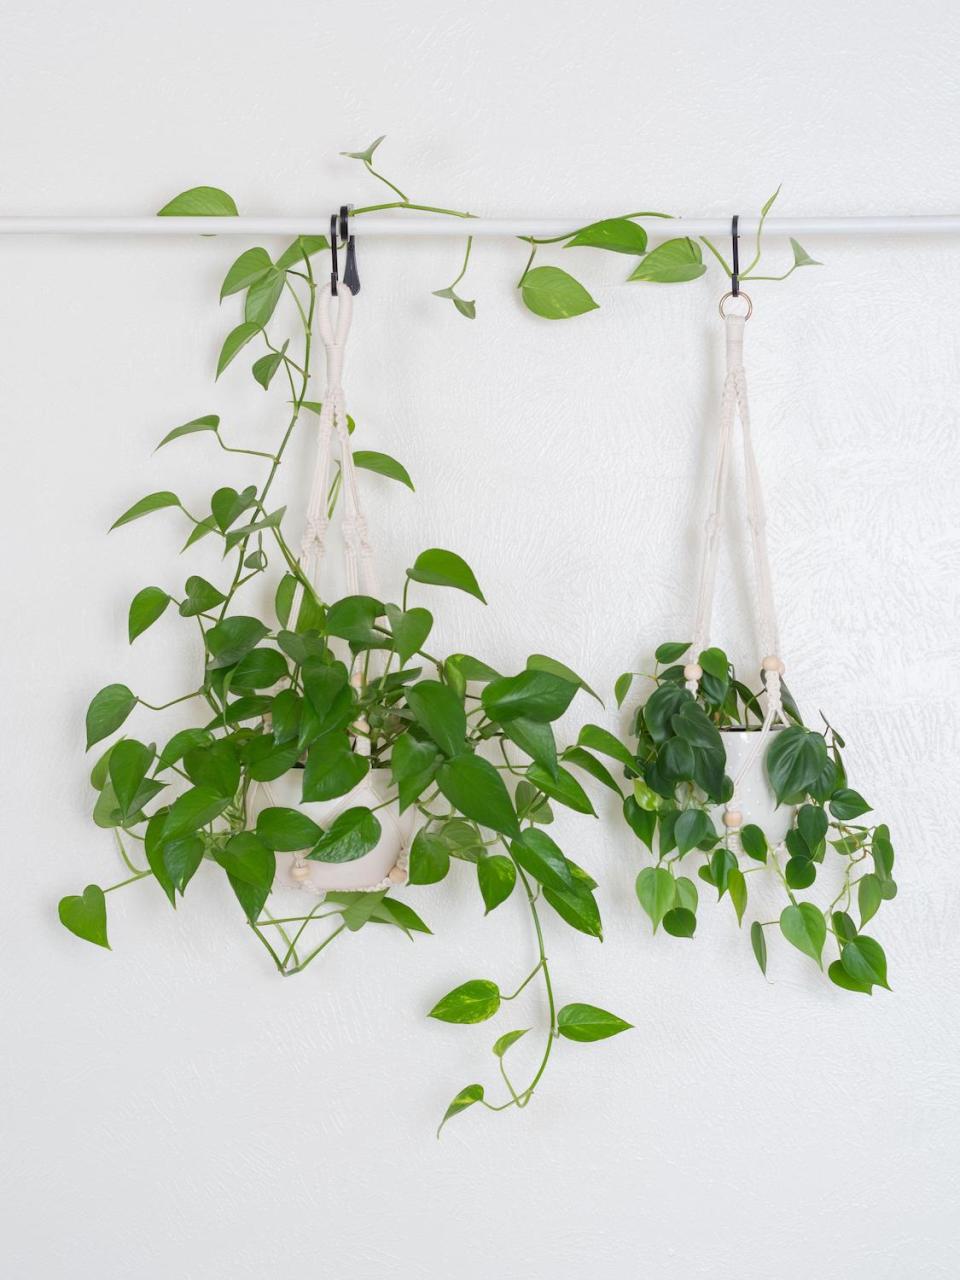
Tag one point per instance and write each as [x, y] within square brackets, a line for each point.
[747, 299]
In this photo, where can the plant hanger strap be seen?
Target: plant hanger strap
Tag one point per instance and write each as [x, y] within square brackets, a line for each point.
[333, 326]
[734, 404]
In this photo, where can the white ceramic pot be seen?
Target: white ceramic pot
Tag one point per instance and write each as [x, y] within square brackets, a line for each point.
[385, 864]
[756, 798]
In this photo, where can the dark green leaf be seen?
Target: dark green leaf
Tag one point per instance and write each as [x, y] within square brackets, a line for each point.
[845, 805]
[287, 830]
[671, 651]
[838, 975]
[392, 911]
[680, 922]
[643, 822]
[693, 825]
[622, 687]
[660, 708]
[332, 769]
[262, 298]
[496, 876]
[414, 766]
[759, 944]
[227, 505]
[201, 597]
[429, 859]
[86, 915]
[656, 892]
[107, 712]
[531, 695]
[234, 342]
[264, 369]
[540, 662]
[209, 423]
[250, 868]
[536, 740]
[754, 842]
[563, 788]
[590, 764]
[382, 464]
[152, 502]
[352, 834]
[812, 825]
[180, 744]
[805, 927]
[440, 712]
[869, 897]
[232, 639]
[301, 248]
[260, 669]
[445, 569]
[194, 809]
[409, 629]
[577, 906]
[864, 960]
[795, 758]
[543, 859]
[843, 926]
[800, 873]
[129, 764]
[475, 789]
[597, 739]
[586, 1023]
[737, 888]
[145, 608]
[249, 267]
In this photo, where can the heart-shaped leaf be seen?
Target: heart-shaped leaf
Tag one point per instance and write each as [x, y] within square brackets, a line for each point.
[586, 1023]
[86, 915]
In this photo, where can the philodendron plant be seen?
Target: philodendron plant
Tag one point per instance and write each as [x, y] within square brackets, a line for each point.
[679, 779]
[299, 688]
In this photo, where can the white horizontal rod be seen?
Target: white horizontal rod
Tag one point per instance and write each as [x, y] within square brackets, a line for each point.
[402, 224]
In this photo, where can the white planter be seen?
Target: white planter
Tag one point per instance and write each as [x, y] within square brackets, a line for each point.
[755, 796]
[384, 865]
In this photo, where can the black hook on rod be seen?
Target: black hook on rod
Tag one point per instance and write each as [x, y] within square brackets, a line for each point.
[735, 241]
[340, 231]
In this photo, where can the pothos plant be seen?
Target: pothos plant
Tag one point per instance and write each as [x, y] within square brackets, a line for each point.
[679, 778]
[471, 752]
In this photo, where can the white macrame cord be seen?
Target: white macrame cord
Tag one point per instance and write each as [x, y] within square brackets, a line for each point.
[333, 330]
[734, 405]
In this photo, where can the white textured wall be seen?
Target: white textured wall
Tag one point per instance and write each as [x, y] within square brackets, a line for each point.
[173, 1109]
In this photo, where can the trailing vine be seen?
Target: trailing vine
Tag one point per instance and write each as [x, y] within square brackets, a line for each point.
[470, 751]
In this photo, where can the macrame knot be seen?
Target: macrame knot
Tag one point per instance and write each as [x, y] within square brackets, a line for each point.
[315, 534]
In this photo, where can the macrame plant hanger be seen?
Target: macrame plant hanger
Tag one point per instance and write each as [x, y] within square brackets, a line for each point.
[385, 866]
[734, 404]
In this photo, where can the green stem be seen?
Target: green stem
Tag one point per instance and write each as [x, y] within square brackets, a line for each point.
[141, 875]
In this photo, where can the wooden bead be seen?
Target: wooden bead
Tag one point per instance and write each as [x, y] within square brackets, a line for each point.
[397, 875]
[692, 671]
[732, 818]
[773, 663]
[299, 872]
